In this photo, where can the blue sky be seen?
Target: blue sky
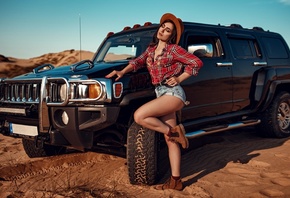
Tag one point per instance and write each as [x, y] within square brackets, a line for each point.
[31, 28]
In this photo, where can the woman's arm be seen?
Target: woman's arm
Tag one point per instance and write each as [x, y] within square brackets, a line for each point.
[177, 80]
[191, 63]
[133, 65]
[121, 73]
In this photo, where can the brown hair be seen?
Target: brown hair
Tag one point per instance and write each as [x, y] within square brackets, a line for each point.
[172, 38]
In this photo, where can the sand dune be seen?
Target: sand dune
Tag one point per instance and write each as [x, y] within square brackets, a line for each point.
[10, 67]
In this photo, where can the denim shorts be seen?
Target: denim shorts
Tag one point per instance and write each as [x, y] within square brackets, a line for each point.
[176, 91]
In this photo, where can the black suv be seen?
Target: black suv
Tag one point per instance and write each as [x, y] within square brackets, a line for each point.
[245, 81]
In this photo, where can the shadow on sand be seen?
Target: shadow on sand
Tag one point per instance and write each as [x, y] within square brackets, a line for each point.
[213, 152]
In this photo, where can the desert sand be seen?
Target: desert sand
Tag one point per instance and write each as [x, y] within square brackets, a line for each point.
[232, 164]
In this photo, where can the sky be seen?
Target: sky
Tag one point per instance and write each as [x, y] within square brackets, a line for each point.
[31, 28]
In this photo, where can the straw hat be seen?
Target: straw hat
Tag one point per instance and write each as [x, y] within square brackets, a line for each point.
[177, 22]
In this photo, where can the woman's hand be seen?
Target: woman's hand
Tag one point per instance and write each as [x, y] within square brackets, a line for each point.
[172, 81]
[119, 74]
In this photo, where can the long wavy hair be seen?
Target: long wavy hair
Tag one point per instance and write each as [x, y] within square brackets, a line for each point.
[172, 38]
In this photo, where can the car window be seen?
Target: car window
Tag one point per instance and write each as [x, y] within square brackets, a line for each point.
[204, 46]
[245, 48]
[275, 48]
[124, 46]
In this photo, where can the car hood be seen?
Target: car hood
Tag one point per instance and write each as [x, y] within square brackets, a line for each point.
[84, 70]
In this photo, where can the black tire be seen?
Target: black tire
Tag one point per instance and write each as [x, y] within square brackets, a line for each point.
[275, 121]
[142, 155]
[46, 150]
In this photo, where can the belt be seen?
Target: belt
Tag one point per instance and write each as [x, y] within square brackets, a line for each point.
[163, 84]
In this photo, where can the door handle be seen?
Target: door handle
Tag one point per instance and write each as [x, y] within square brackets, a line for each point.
[225, 64]
[260, 63]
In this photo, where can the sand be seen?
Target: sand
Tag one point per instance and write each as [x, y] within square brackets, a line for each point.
[229, 164]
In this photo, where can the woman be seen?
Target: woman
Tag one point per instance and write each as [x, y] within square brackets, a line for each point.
[168, 65]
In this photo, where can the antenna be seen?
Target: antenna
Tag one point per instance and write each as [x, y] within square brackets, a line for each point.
[80, 28]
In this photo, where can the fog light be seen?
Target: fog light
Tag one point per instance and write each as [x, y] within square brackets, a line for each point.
[64, 118]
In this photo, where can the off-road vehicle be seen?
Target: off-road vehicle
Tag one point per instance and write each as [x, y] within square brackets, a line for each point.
[245, 81]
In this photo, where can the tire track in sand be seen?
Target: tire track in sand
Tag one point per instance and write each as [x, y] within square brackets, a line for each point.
[48, 164]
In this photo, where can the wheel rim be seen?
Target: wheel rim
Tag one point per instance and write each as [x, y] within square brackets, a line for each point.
[284, 115]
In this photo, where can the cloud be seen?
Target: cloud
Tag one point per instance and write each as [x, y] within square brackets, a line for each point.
[286, 2]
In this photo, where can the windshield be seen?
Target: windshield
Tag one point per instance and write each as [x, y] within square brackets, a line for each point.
[125, 47]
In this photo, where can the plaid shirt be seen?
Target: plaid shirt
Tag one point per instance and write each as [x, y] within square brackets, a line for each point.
[170, 63]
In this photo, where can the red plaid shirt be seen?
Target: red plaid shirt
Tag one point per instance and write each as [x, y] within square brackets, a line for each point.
[170, 63]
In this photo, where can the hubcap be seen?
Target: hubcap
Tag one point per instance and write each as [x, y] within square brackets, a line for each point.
[283, 116]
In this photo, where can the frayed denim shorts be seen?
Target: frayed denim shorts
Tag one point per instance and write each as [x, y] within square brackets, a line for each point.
[176, 91]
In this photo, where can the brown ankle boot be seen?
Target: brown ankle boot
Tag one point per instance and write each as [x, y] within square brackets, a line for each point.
[178, 135]
[170, 184]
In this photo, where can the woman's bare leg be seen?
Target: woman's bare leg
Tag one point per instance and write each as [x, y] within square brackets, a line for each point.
[159, 115]
[173, 148]
[149, 114]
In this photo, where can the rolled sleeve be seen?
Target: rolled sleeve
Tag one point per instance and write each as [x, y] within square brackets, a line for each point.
[140, 61]
[191, 70]
[191, 63]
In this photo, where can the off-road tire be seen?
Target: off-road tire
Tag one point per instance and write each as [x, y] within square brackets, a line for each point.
[275, 121]
[33, 151]
[142, 155]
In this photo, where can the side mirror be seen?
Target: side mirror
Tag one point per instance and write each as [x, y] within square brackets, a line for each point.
[201, 50]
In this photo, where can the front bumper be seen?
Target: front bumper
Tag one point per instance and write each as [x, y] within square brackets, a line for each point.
[78, 128]
[81, 123]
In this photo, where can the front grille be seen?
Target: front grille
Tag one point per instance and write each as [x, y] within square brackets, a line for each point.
[20, 91]
[32, 91]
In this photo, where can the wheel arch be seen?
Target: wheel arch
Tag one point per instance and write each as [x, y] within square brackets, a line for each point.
[275, 88]
[275, 120]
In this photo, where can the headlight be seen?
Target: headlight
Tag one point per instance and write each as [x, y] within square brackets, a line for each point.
[82, 91]
[87, 90]
[76, 91]
[62, 91]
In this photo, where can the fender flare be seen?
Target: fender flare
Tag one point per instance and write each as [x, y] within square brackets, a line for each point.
[265, 84]
[272, 90]
[144, 95]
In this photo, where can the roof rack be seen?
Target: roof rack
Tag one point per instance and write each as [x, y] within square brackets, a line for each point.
[258, 28]
[234, 25]
[128, 28]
